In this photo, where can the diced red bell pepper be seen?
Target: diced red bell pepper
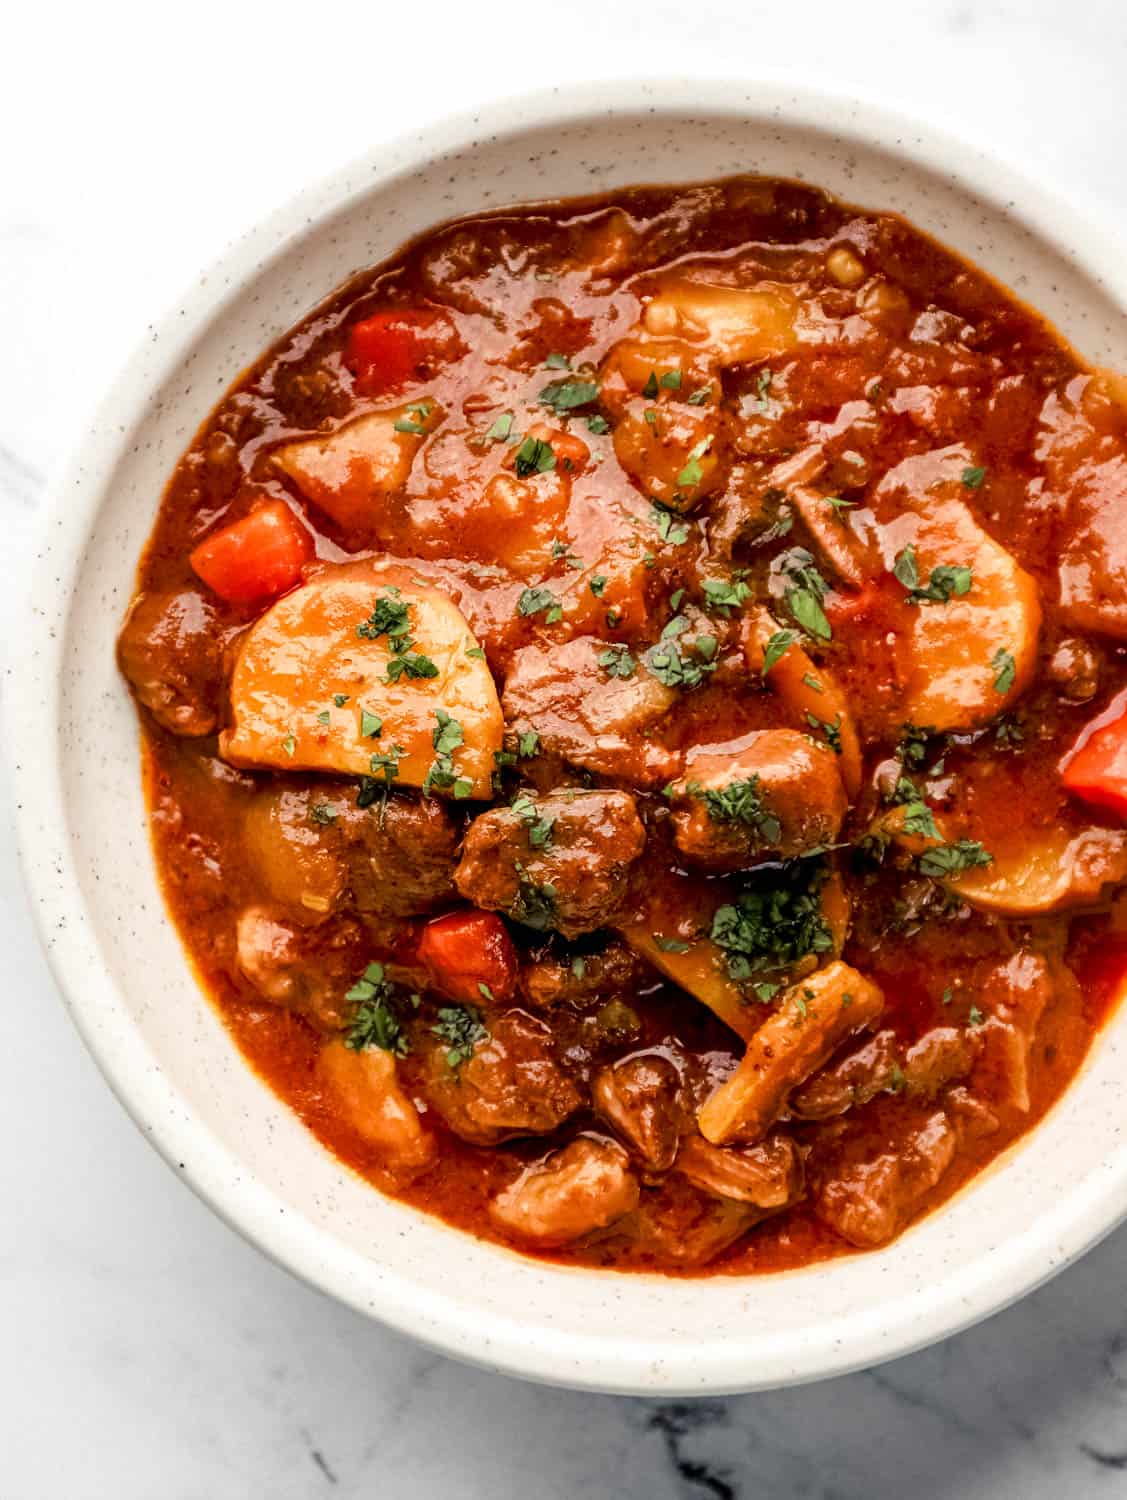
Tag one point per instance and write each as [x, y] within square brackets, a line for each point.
[470, 956]
[1095, 770]
[259, 557]
[386, 350]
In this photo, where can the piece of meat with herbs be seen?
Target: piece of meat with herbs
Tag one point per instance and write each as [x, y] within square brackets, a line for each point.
[639, 1098]
[558, 862]
[584, 979]
[574, 1192]
[510, 1084]
[780, 797]
[363, 1086]
[769, 1176]
[594, 704]
[170, 651]
[1008, 1009]
[813, 1018]
[881, 1064]
[868, 1195]
[317, 849]
[682, 1226]
[306, 969]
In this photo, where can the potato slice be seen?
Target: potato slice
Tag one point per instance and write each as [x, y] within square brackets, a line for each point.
[813, 1018]
[305, 653]
[741, 324]
[1060, 869]
[350, 473]
[975, 654]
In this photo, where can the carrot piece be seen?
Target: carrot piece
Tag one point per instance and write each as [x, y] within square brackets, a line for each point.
[259, 557]
[1096, 771]
[387, 350]
[470, 956]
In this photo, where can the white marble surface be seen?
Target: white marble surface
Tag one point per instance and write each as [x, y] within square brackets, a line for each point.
[145, 1349]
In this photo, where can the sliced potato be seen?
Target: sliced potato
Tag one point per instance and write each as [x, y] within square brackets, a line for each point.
[1058, 869]
[976, 653]
[813, 1018]
[350, 473]
[305, 653]
[740, 324]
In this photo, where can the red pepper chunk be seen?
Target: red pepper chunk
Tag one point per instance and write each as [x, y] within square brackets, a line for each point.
[387, 350]
[1096, 771]
[468, 954]
[259, 557]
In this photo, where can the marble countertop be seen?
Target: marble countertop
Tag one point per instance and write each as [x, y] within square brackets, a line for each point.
[146, 1349]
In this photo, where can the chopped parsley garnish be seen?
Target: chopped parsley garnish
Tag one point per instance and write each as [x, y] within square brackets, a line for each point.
[534, 456]
[369, 791]
[952, 859]
[528, 744]
[566, 395]
[649, 390]
[666, 662]
[972, 478]
[375, 1019]
[671, 380]
[388, 618]
[675, 599]
[777, 647]
[805, 592]
[946, 582]
[701, 396]
[475, 653]
[668, 527]
[579, 966]
[557, 362]
[322, 813]
[812, 683]
[534, 905]
[539, 825]
[323, 718]
[765, 990]
[975, 1016]
[613, 617]
[598, 584]
[692, 474]
[461, 1028]
[289, 745]
[502, 428]
[650, 415]
[540, 601]
[763, 388]
[838, 503]
[1005, 669]
[616, 661]
[918, 820]
[725, 594]
[670, 945]
[410, 664]
[340, 699]
[371, 725]
[739, 802]
[832, 732]
[448, 736]
[387, 764]
[598, 425]
[775, 920]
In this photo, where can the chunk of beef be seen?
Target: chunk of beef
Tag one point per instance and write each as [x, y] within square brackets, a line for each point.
[560, 861]
[638, 1098]
[813, 1018]
[781, 796]
[511, 1086]
[317, 851]
[170, 651]
[1013, 999]
[584, 979]
[304, 969]
[769, 1176]
[681, 1226]
[882, 1065]
[868, 1196]
[364, 1088]
[571, 1193]
[589, 715]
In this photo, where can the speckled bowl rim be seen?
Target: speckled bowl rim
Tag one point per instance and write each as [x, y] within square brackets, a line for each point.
[903, 1322]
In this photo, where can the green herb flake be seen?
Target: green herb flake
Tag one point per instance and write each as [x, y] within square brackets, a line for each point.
[777, 647]
[670, 945]
[475, 653]
[701, 396]
[723, 595]
[461, 1028]
[1004, 668]
[972, 478]
[805, 591]
[540, 601]
[919, 820]
[534, 456]
[775, 920]
[388, 618]
[340, 699]
[812, 683]
[692, 474]
[739, 802]
[375, 1020]
[501, 429]
[323, 718]
[975, 1016]
[557, 362]
[670, 529]
[528, 744]
[566, 395]
[289, 745]
[598, 584]
[649, 390]
[322, 814]
[411, 664]
[597, 424]
[671, 380]
[945, 860]
[371, 725]
[616, 661]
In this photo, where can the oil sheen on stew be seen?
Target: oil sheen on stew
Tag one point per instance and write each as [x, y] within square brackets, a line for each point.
[632, 701]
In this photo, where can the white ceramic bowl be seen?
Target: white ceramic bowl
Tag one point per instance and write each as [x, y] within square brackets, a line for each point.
[86, 850]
